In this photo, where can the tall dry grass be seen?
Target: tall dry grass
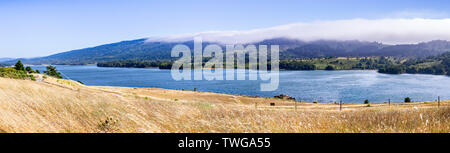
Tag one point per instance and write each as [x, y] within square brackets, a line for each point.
[53, 105]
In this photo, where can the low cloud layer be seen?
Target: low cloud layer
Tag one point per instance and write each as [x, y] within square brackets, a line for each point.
[388, 31]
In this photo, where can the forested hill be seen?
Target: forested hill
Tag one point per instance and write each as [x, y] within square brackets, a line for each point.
[5, 59]
[438, 65]
[364, 49]
[134, 49]
[290, 49]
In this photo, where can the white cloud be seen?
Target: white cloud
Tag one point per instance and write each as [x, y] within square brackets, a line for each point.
[389, 31]
[430, 14]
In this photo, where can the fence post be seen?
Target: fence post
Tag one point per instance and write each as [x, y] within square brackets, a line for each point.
[439, 101]
[340, 105]
[295, 102]
[389, 102]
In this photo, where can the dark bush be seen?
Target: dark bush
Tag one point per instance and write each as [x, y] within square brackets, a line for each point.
[366, 101]
[330, 68]
[19, 66]
[407, 100]
[51, 71]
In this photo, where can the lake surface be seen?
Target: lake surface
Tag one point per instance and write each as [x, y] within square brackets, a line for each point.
[352, 86]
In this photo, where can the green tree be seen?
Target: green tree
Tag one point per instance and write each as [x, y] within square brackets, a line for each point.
[366, 101]
[29, 70]
[439, 69]
[411, 70]
[80, 82]
[407, 100]
[446, 63]
[51, 71]
[330, 68]
[397, 69]
[19, 66]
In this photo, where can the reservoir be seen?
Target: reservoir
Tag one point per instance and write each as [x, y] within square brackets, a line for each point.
[352, 86]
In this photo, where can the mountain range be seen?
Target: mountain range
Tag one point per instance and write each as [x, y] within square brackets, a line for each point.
[142, 49]
[5, 59]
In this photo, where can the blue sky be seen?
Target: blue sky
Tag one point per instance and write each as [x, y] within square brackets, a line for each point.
[31, 28]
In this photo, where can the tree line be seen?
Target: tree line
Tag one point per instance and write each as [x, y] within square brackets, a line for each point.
[330, 63]
[137, 64]
[19, 71]
[437, 65]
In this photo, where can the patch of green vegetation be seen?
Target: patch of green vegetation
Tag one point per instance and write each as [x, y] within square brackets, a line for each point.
[51, 71]
[407, 100]
[437, 65]
[137, 64]
[16, 72]
[329, 68]
[203, 105]
[336, 63]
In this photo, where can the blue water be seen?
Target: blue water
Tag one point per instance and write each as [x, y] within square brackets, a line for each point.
[352, 86]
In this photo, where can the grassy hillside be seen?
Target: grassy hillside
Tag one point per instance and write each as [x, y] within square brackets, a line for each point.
[55, 105]
[9, 72]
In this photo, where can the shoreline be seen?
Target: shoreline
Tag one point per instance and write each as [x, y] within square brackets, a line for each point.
[249, 96]
[247, 69]
[263, 97]
[271, 95]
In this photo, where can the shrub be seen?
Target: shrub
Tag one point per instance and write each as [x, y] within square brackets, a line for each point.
[51, 71]
[29, 70]
[330, 68]
[107, 125]
[19, 66]
[397, 69]
[407, 100]
[12, 73]
[366, 101]
[411, 70]
[80, 82]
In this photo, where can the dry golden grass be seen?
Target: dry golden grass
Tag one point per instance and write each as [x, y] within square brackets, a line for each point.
[54, 105]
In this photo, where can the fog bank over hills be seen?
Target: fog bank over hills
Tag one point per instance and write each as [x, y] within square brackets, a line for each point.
[387, 31]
